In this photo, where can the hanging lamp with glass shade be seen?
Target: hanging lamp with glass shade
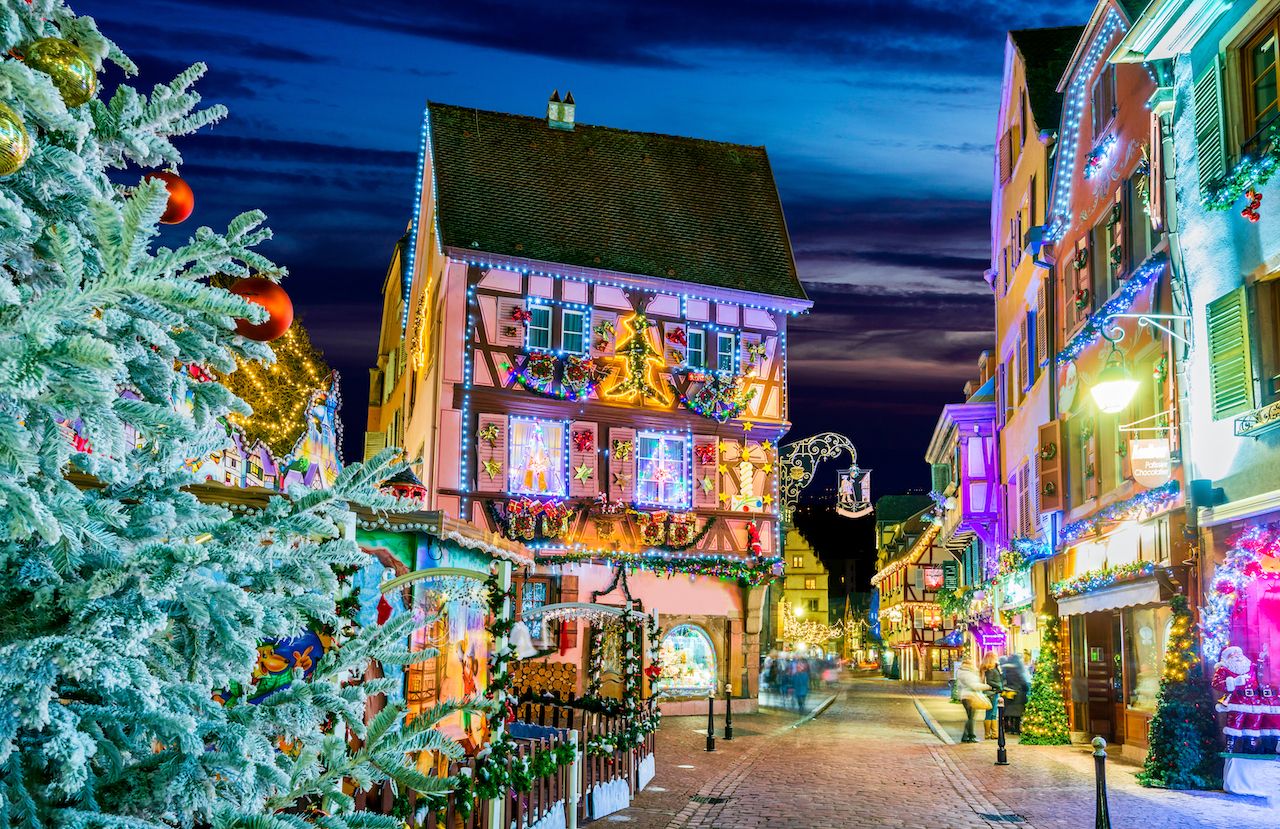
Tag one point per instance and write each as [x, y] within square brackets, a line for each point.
[1115, 385]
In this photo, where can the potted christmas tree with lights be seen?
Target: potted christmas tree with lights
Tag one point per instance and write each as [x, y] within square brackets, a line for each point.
[1044, 721]
[1184, 731]
[136, 620]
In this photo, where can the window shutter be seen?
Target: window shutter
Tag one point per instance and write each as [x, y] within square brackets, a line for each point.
[568, 628]
[705, 497]
[602, 342]
[510, 330]
[583, 433]
[941, 473]
[1042, 329]
[1002, 394]
[622, 464]
[1049, 463]
[491, 454]
[374, 442]
[1211, 149]
[745, 342]
[1230, 366]
[674, 341]
[1025, 371]
[1024, 501]
[730, 454]
[1006, 156]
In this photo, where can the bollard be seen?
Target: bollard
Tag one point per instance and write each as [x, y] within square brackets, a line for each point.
[1002, 756]
[711, 721]
[1101, 819]
[728, 711]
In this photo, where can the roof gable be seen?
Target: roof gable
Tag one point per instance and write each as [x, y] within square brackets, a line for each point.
[663, 206]
[1045, 55]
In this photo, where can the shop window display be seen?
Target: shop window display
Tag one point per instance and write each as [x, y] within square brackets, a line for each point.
[688, 663]
[1146, 637]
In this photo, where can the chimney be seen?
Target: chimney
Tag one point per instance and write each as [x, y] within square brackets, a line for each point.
[560, 113]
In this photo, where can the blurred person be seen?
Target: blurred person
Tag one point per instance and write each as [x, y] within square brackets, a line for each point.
[994, 679]
[971, 689]
[1017, 681]
[800, 683]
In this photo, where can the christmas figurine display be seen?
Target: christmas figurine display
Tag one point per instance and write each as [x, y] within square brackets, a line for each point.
[1236, 678]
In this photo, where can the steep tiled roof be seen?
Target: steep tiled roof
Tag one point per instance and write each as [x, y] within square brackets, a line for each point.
[896, 508]
[1046, 52]
[662, 206]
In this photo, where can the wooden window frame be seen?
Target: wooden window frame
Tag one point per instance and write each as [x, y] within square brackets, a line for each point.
[583, 334]
[701, 350]
[721, 354]
[534, 310]
[1248, 80]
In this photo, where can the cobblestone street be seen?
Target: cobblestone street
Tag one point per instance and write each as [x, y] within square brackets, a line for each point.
[869, 760]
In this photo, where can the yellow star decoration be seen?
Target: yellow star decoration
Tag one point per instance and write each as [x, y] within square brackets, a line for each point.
[492, 468]
[620, 479]
[748, 426]
[768, 468]
[582, 473]
[724, 496]
[724, 469]
[708, 484]
[768, 499]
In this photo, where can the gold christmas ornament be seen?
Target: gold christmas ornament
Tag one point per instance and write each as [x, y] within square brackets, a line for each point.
[15, 142]
[68, 66]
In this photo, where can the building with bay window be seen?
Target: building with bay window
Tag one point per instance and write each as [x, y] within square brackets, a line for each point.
[584, 341]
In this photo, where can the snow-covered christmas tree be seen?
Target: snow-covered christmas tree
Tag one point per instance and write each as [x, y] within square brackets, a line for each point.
[131, 612]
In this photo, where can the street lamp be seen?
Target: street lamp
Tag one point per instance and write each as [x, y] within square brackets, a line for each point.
[799, 611]
[1115, 386]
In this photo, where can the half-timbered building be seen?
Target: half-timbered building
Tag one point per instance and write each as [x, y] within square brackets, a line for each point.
[584, 343]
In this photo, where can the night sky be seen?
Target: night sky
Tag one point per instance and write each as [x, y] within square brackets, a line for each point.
[879, 118]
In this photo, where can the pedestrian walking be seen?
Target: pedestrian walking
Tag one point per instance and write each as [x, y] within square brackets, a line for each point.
[800, 683]
[971, 697]
[994, 680]
[1017, 681]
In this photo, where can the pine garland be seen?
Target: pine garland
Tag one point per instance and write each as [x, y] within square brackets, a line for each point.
[1044, 721]
[1184, 732]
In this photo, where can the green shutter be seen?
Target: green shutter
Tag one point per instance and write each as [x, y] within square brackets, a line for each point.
[1230, 366]
[1211, 149]
[941, 476]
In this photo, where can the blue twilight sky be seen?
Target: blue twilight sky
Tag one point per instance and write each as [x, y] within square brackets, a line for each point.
[879, 118]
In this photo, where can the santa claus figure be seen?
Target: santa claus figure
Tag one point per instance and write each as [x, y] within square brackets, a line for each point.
[1236, 678]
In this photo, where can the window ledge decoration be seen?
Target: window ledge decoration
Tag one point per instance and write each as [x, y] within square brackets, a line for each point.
[1021, 554]
[751, 572]
[1101, 320]
[1248, 174]
[671, 531]
[1243, 564]
[529, 519]
[1104, 577]
[717, 395]
[1140, 507]
[1099, 156]
[565, 377]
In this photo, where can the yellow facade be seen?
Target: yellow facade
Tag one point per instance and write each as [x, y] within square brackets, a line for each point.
[803, 587]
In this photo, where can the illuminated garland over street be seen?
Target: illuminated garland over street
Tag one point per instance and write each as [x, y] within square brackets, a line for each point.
[1104, 577]
[749, 571]
[1101, 320]
[1140, 507]
[809, 632]
[1243, 563]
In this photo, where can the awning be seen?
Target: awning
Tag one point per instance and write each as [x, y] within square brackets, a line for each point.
[1132, 594]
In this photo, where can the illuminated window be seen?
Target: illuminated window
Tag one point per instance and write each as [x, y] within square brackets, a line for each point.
[1261, 85]
[813, 605]
[797, 561]
[810, 582]
[688, 663]
[539, 330]
[537, 457]
[725, 351]
[573, 330]
[696, 351]
[662, 469]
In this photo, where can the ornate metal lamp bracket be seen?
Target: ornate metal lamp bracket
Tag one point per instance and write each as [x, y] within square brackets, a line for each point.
[797, 463]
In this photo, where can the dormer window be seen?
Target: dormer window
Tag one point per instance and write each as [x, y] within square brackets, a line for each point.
[539, 331]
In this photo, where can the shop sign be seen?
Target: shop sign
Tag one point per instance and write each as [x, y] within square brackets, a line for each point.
[933, 578]
[1150, 461]
[951, 575]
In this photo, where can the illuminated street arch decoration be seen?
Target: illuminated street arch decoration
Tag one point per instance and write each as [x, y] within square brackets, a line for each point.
[688, 662]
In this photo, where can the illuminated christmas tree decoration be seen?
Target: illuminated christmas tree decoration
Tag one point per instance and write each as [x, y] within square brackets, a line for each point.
[640, 364]
[1044, 722]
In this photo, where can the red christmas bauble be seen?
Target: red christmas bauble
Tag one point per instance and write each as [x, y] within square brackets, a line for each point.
[271, 296]
[181, 200]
